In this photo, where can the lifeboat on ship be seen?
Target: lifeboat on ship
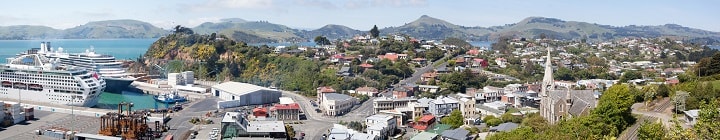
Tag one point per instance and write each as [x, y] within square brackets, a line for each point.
[6, 84]
[36, 87]
[20, 85]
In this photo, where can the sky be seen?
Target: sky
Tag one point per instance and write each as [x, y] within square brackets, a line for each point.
[360, 14]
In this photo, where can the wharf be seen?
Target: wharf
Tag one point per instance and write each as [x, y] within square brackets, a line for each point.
[146, 88]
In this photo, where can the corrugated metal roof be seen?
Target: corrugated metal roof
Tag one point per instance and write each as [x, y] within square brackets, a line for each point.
[239, 88]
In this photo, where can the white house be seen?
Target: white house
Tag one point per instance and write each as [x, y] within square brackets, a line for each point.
[382, 126]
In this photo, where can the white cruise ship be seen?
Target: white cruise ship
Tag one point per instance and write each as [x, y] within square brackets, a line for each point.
[34, 77]
[105, 65]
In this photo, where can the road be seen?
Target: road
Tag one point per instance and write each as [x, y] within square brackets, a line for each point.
[419, 71]
[180, 124]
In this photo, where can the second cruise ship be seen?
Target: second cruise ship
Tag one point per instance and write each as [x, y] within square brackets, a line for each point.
[105, 65]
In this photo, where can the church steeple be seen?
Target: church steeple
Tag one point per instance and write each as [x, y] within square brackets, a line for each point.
[548, 83]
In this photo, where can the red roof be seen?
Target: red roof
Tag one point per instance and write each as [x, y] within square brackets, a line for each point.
[429, 74]
[366, 65]
[390, 56]
[259, 110]
[473, 52]
[326, 90]
[427, 118]
[287, 106]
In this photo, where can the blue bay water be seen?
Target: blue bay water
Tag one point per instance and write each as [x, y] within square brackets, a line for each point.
[120, 48]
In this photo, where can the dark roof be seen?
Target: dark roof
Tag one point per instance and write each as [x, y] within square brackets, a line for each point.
[335, 96]
[457, 134]
[582, 100]
[505, 127]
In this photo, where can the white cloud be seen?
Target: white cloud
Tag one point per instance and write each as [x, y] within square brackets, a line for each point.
[319, 3]
[213, 5]
[356, 4]
[197, 21]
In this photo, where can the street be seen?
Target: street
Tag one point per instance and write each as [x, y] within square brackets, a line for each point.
[180, 124]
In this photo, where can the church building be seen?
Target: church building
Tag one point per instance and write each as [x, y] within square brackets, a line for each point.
[557, 104]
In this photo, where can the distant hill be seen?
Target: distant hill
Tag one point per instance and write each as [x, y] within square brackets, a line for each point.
[21, 32]
[332, 31]
[96, 29]
[114, 29]
[256, 30]
[532, 27]
[427, 27]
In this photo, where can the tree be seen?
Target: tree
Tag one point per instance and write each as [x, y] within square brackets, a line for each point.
[708, 122]
[630, 75]
[651, 131]
[508, 117]
[663, 91]
[374, 32]
[614, 108]
[183, 30]
[564, 74]
[493, 122]
[321, 40]
[536, 122]
[290, 131]
[457, 42]
[455, 119]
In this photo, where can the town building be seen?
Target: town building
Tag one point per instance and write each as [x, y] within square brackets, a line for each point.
[467, 108]
[237, 94]
[287, 111]
[425, 122]
[556, 105]
[334, 104]
[235, 124]
[442, 106]
[382, 126]
[321, 91]
[496, 109]
[369, 91]
[387, 103]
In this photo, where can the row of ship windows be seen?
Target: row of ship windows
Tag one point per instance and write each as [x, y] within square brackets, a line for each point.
[37, 79]
[15, 75]
[77, 100]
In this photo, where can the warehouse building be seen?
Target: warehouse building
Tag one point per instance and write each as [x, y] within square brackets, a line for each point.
[235, 94]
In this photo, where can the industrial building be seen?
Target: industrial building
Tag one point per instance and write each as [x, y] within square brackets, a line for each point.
[237, 94]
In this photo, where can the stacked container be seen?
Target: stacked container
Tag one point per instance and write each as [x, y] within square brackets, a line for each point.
[29, 113]
[15, 111]
[2, 113]
[189, 77]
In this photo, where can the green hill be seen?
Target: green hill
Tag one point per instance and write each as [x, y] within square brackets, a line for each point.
[427, 27]
[332, 31]
[21, 32]
[114, 29]
[256, 30]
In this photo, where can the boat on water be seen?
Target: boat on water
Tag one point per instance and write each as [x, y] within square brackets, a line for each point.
[105, 65]
[34, 77]
[171, 97]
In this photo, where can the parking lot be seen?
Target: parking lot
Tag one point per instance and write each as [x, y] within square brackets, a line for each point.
[49, 120]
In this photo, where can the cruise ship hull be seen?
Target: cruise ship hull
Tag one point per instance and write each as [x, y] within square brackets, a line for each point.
[117, 85]
[47, 96]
